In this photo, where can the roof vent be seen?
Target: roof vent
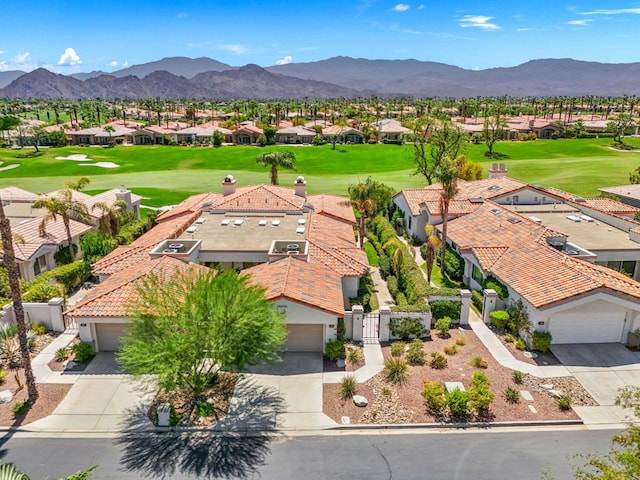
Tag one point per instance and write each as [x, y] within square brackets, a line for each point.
[496, 211]
[201, 220]
[586, 218]
[275, 223]
[238, 222]
[579, 200]
[192, 229]
[513, 220]
[300, 230]
[226, 221]
[262, 223]
[574, 218]
[493, 188]
[476, 200]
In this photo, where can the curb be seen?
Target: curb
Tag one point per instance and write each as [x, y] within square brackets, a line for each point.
[452, 426]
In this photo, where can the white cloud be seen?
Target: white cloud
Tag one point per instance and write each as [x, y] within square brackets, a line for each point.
[22, 61]
[125, 64]
[113, 64]
[285, 60]
[1, 52]
[233, 48]
[69, 58]
[527, 29]
[619, 11]
[581, 23]
[23, 58]
[401, 7]
[421, 7]
[478, 21]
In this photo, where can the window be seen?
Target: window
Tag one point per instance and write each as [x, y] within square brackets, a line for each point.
[476, 274]
[40, 265]
[409, 223]
[627, 267]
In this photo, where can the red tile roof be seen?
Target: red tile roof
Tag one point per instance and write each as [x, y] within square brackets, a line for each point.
[310, 284]
[333, 206]
[538, 272]
[30, 241]
[260, 198]
[115, 297]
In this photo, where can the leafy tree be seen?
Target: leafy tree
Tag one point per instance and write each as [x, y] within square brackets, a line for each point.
[63, 206]
[468, 170]
[275, 160]
[619, 126]
[9, 260]
[493, 129]
[518, 316]
[634, 177]
[96, 245]
[110, 220]
[422, 158]
[269, 134]
[445, 142]
[109, 129]
[188, 326]
[218, 138]
[447, 173]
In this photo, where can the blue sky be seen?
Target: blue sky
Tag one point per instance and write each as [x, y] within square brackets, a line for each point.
[70, 36]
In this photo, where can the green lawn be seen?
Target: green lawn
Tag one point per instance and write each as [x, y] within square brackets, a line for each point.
[166, 175]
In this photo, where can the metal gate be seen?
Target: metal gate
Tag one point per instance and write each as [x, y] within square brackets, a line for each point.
[371, 327]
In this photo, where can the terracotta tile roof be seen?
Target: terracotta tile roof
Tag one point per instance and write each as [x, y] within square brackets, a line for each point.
[115, 296]
[190, 205]
[15, 194]
[30, 240]
[125, 256]
[538, 272]
[333, 206]
[260, 198]
[310, 284]
[605, 205]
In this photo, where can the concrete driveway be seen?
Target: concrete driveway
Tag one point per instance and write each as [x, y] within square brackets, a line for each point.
[297, 382]
[601, 368]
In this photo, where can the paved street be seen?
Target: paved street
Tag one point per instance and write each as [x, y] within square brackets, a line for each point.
[434, 455]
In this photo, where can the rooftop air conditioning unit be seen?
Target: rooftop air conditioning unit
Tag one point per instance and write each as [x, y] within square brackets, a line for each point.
[192, 229]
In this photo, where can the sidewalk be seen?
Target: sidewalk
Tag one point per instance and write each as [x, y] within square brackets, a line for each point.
[40, 364]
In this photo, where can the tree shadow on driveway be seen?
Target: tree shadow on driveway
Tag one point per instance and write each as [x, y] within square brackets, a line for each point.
[235, 447]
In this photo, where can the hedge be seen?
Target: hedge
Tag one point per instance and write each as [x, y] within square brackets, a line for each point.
[70, 275]
[500, 319]
[477, 298]
[445, 308]
[495, 284]
[453, 264]
[420, 308]
[541, 341]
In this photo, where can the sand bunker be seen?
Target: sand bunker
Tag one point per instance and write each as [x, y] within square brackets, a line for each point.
[9, 167]
[76, 157]
[100, 164]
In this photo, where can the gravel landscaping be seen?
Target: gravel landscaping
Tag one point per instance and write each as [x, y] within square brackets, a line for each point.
[395, 404]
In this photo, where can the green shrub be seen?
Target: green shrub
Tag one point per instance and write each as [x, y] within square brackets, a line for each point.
[512, 395]
[348, 386]
[499, 319]
[82, 351]
[443, 325]
[461, 341]
[437, 361]
[435, 397]
[564, 402]
[480, 380]
[204, 409]
[396, 370]
[480, 400]
[3, 375]
[354, 355]
[416, 354]
[458, 403]
[372, 255]
[397, 349]
[478, 362]
[453, 264]
[509, 338]
[334, 349]
[42, 292]
[450, 349]
[401, 300]
[406, 327]
[392, 285]
[19, 408]
[518, 377]
[495, 284]
[477, 298]
[39, 328]
[445, 308]
[61, 354]
[385, 266]
[541, 341]
[520, 344]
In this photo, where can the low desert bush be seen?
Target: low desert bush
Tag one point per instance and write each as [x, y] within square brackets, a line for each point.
[512, 395]
[396, 370]
[19, 408]
[461, 341]
[564, 402]
[478, 362]
[348, 386]
[509, 338]
[520, 344]
[541, 341]
[443, 325]
[437, 361]
[355, 355]
[39, 328]
[334, 349]
[397, 349]
[61, 354]
[450, 349]
[518, 377]
[416, 354]
[3, 375]
[435, 397]
[82, 352]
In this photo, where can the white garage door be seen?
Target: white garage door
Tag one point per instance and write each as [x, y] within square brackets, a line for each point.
[109, 336]
[585, 328]
[305, 338]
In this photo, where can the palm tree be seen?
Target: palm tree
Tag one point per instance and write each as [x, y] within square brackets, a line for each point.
[78, 184]
[9, 261]
[8, 471]
[432, 245]
[361, 197]
[275, 160]
[109, 129]
[447, 174]
[63, 206]
[110, 221]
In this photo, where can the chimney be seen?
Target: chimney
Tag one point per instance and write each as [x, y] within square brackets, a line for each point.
[229, 185]
[124, 195]
[301, 187]
[497, 171]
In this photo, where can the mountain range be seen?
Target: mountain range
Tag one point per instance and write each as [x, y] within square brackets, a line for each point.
[337, 77]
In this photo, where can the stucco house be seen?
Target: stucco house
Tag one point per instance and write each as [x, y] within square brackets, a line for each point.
[295, 135]
[246, 135]
[299, 247]
[561, 254]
